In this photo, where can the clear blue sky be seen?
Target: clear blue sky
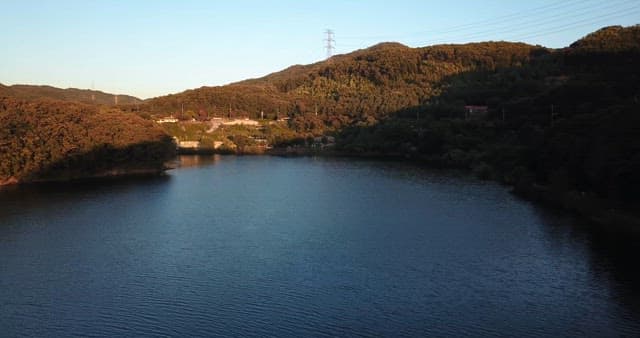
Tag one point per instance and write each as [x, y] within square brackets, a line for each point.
[150, 48]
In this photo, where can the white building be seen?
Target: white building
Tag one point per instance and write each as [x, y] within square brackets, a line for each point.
[188, 144]
[169, 119]
[245, 122]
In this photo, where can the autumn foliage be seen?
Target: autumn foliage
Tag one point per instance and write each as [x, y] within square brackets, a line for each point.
[44, 139]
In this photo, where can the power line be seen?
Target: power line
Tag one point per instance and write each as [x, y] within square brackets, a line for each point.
[528, 23]
[539, 21]
[509, 17]
[516, 23]
[582, 23]
[469, 26]
[595, 18]
[591, 11]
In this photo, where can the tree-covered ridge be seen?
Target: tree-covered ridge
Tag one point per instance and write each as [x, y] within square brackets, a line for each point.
[45, 139]
[610, 39]
[366, 84]
[31, 92]
[235, 100]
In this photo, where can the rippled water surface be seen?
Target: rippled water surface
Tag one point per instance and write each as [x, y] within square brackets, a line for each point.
[305, 247]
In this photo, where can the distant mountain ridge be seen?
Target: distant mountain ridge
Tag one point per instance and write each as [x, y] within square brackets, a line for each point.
[34, 92]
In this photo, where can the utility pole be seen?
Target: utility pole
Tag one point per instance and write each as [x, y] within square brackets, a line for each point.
[329, 42]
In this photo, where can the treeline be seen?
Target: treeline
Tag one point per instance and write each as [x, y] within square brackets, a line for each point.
[46, 139]
[32, 92]
[236, 100]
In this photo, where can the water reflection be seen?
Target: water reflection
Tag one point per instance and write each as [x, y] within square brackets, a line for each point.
[20, 199]
[187, 161]
[614, 253]
[611, 254]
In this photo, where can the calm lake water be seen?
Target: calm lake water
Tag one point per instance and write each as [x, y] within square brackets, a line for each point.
[306, 247]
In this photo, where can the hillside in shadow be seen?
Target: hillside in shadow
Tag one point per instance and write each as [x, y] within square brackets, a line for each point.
[562, 127]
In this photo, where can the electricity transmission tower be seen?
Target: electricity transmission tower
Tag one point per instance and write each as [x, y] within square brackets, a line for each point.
[330, 42]
[93, 89]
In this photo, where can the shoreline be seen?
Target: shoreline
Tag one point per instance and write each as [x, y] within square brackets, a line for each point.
[586, 207]
[583, 206]
[103, 175]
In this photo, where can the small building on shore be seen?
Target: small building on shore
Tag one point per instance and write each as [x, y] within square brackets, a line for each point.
[168, 119]
[475, 112]
[241, 122]
[188, 144]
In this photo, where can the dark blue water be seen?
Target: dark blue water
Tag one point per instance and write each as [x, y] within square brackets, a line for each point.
[240, 246]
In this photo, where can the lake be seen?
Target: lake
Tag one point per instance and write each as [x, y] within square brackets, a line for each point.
[255, 246]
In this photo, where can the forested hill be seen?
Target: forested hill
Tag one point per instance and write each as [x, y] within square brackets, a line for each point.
[55, 140]
[31, 92]
[565, 119]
